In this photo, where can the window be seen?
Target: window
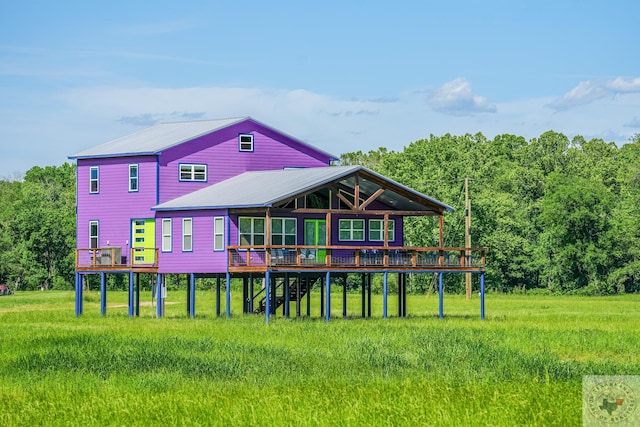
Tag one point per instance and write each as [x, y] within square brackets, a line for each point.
[283, 231]
[166, 234]
[218, 233]
[93, 234]
[376, 230]
[190, 172]
[352, 229]
[187, 234]
[133, 177]
[94, 179]
[245, 142]
[251, 231]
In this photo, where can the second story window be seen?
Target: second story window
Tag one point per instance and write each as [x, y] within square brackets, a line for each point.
[245, 142]
[191, 172]
[351, 229]
[93, 234]
[94, 179]
[251, 231]
[166, 234]
[376, 230]
[187, 234]
[133, 177]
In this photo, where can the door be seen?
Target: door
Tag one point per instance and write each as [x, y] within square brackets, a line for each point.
[315, 234]
[143, 241]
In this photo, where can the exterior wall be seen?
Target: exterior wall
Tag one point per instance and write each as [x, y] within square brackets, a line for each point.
[202, 259]
[114, 206]
[219, 151]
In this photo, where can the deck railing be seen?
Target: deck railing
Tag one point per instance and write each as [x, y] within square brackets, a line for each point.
[112, 258]
[355, 257]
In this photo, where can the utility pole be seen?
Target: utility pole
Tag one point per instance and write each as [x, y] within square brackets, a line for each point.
[467, 235]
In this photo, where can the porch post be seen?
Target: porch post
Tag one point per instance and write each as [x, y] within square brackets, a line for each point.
[344, 297]
[328, 297]
[482, 295]
[287, 296]
[103, 294]
[159, 299]
[250, 303]
[78, 293]
[131, 294]
[228, 295]
[267, 296]
[441, 292]
[362, 280]
[368, 294]
[192, 303]
[137, 294]
[384, 294]
[322, 296]
[218, 295]
[399, 294]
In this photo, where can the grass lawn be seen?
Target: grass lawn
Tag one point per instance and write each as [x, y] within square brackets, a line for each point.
[523, 365]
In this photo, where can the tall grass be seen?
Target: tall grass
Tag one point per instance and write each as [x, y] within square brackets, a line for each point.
[523, 365]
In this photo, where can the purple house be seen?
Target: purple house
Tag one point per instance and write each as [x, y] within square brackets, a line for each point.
[237, 199]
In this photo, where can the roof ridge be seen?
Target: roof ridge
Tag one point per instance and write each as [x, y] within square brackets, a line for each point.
[204, 120]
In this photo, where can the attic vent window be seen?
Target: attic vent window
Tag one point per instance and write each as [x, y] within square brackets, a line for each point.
[245, 142]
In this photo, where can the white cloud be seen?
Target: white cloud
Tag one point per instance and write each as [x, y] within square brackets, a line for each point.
[83, 117]
[592, 90]
[457, 98]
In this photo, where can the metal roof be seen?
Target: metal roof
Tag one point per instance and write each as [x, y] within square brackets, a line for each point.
[157, 138]
[267, 188]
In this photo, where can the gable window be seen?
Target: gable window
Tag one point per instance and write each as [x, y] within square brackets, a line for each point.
[133, 178]
[251, 231]
[218, 233]
[283, 231]
[187, 234]
[192, 172]
[245, 142]
[352, 229]
[93, 234]
[94, 179]
[376, 230]
[166, 234]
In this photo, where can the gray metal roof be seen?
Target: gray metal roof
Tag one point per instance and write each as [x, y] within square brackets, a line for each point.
[156, 138]
[266, 188]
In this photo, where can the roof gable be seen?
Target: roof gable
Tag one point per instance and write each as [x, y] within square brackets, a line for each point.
[158, 138]
[270, 188]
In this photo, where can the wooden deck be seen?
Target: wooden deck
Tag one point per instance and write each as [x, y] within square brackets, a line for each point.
[139, 260]
[354, 258]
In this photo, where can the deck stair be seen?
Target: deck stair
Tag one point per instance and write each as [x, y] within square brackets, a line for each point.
[306, 284]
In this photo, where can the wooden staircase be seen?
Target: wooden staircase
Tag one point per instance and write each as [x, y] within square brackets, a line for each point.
[304, 284]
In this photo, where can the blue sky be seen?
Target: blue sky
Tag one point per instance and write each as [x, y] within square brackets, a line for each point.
[341, 75]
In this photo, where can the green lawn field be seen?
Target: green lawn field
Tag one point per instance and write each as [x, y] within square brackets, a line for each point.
[522, 365]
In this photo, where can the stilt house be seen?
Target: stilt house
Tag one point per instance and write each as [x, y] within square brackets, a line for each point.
[236, 198]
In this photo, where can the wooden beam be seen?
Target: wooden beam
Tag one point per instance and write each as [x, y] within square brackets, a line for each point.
[371, 198]
[356, 193]
[345, 200]
[371, 212]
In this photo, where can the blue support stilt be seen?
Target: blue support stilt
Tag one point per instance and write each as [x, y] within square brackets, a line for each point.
[103, 294]
[81, 301]
[78, 293]
[267, 296]
[159, 299]
[228, 295]
[384, 294]
[441, 294]
[287, 296]
[482, 295]
[327, 311]
[192, 295]
[131, 294]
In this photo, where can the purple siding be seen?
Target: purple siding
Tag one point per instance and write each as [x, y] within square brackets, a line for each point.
[202, 259]
[114, 206]
[219, 151]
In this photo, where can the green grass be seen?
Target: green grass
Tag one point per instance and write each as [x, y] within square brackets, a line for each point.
[523, 365]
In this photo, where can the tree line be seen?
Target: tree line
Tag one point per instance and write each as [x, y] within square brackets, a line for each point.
[556, 215]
